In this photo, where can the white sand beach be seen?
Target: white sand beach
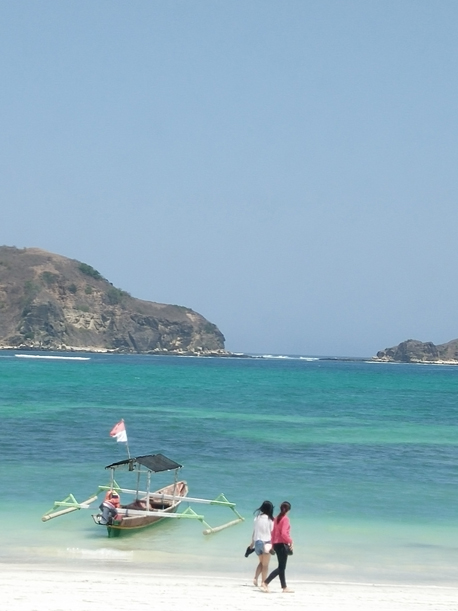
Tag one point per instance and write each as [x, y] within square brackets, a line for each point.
[70, 588]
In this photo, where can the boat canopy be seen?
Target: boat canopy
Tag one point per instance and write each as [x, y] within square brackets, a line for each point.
[153, 462]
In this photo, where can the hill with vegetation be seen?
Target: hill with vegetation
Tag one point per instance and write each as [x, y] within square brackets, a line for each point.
[414, 351]
[50, 302]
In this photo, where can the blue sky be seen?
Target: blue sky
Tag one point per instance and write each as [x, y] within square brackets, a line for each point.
[286, 168]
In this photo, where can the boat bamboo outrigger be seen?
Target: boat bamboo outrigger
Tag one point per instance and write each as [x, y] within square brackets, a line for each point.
[147, 507]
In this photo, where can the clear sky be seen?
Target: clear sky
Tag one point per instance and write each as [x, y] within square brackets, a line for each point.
[286, 168]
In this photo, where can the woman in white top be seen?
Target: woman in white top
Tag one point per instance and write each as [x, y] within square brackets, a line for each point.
[261, 540]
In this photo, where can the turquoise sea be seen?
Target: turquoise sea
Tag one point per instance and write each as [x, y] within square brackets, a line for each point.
[366, 453]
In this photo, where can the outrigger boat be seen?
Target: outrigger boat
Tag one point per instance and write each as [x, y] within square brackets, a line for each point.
[147, 507]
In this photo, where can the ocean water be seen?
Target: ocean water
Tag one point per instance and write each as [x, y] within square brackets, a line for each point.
[366, 453]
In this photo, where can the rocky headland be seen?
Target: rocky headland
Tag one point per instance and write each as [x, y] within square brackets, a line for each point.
[50, 302]
[414, 351]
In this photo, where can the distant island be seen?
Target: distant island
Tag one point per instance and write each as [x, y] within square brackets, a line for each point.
[50, 302]
[414, 351]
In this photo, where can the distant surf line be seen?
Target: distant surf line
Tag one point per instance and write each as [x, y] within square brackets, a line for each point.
[48, 356]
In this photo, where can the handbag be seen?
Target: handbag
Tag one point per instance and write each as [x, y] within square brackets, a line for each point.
[288, 549]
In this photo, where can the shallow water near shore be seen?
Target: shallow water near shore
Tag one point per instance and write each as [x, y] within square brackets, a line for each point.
[366, 453]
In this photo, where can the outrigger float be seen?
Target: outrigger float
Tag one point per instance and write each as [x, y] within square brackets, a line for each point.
[147, 507]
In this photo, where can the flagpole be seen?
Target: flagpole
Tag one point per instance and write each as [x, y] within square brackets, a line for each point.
[127, 442]
[127, 448]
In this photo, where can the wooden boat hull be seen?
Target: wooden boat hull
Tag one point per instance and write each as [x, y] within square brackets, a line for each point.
[132, 523]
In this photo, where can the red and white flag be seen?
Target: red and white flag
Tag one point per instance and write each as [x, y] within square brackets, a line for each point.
[119, 431]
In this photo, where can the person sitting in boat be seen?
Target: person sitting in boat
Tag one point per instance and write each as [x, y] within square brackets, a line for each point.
[109, 507]
[113, 497]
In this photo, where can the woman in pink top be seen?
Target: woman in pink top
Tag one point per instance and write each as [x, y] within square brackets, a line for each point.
[283, 546]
